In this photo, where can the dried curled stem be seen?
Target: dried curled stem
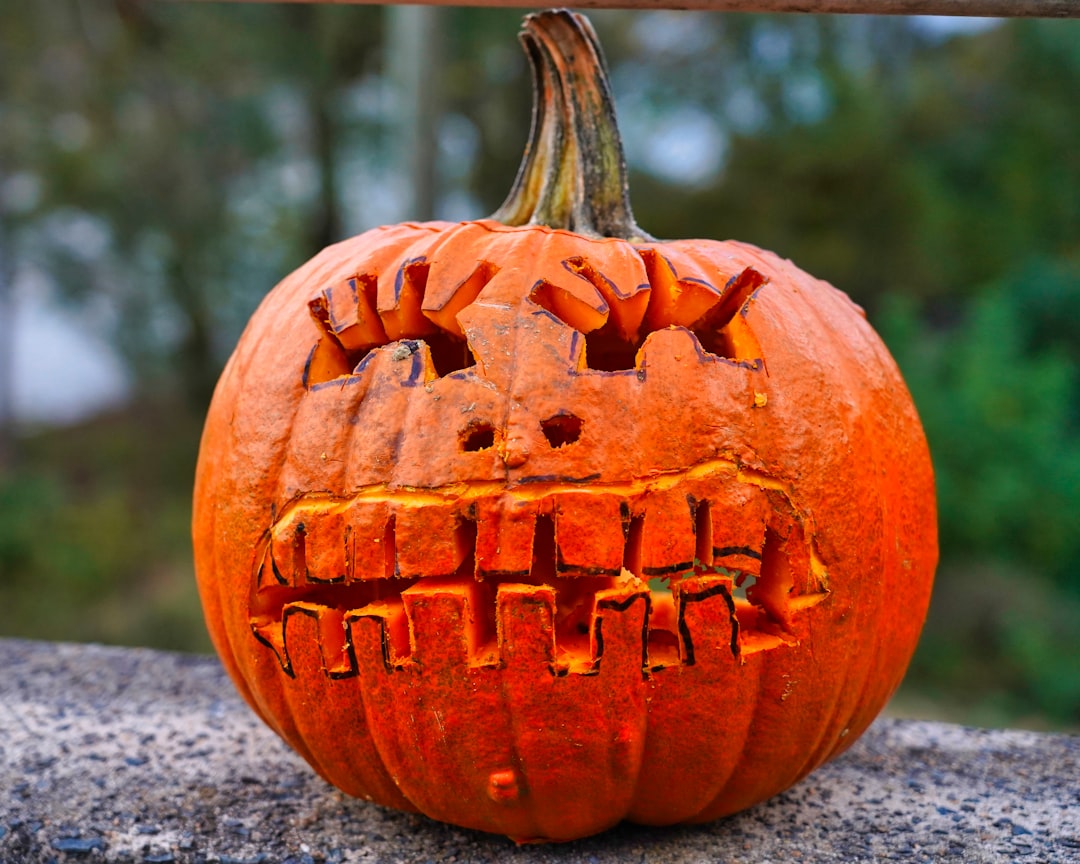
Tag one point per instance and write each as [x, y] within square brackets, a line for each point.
[573, 175]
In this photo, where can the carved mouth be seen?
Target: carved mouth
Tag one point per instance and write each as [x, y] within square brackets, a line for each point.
[382, 553]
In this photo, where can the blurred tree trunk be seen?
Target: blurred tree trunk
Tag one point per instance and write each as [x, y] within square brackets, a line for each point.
[197, 361]
[322, 86]
[327, 224]
[412, 46]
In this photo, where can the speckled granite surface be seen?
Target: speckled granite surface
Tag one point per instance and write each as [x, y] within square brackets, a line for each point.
[111, 754]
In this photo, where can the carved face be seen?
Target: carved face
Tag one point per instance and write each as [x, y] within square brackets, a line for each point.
[479, 409]
[518, 528]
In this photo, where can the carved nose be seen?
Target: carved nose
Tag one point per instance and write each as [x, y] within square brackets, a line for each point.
[516, 444]
[514, 449]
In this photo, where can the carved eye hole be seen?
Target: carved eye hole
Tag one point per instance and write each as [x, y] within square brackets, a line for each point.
[562, 429]
[477, 436]
[613, 337]
[352, 325]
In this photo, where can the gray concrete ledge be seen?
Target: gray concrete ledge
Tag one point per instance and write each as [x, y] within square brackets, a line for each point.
[110, 754]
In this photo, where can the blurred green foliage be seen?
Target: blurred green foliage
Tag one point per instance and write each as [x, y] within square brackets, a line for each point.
[1000, 411]
[998, 396]
[206, 149]
[94, 532]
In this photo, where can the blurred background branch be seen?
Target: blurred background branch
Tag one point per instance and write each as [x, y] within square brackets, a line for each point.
[163, 165]
[977, 8]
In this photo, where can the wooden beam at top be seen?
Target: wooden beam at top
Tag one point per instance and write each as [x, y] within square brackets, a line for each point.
[970, 8]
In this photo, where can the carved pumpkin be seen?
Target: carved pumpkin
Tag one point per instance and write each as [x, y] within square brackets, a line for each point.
[534, 523]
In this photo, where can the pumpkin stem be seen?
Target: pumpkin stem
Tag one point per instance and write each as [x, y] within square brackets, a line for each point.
[573, 175]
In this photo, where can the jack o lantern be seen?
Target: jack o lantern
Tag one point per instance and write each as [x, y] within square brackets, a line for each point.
[535, 523]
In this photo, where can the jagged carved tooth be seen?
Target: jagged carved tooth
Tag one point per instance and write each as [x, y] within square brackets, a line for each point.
[432, 540]
[703, 533]
[581, 308]
[737, 292]
[677, 298]
[526, 624]
[327, 546]
[315, 638]
[287, 541]
[326, 361]
[623, 285]
[786, 538]
[787, 574]
[570, 297]
[271, 632]
[371, 528]
[265, 576]
[504, 539]
[706, 618]
[407, 361]
[445, 623]
[400, 298]
[667, 355]
[349, 307]
[334, 641]
[663, 645]
[619, 634]
[456, 285]
[589, 534]
[669, 546]
[739, 513]
[379, 634]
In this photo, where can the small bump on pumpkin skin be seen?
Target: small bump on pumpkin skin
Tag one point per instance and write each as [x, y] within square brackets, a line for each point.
[514, 452]
[503, 786]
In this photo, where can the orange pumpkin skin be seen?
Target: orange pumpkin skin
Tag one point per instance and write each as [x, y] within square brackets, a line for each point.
[432, 578]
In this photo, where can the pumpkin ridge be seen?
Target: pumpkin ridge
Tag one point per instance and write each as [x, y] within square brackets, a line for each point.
[682, 730]
[714, 808]
[833, 733]
[232, 378]
[275, 707]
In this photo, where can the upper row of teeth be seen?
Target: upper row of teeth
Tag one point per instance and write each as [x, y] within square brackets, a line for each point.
[657, 534]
